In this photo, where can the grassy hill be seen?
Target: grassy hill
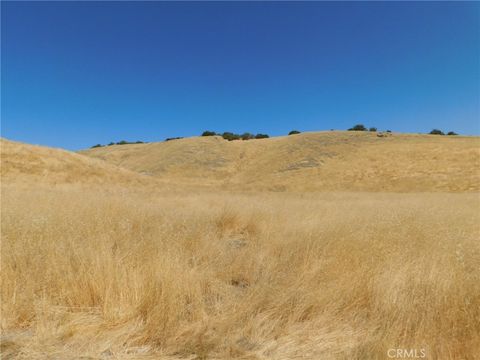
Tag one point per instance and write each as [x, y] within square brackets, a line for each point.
[322, 161]
[24, 163]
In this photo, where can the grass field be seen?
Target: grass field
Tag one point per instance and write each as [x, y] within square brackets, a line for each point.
[138, 270]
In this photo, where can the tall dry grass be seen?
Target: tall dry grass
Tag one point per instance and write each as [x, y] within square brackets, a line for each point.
[119, 274]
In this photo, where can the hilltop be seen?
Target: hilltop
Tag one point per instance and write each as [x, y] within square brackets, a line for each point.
[24, 163]
[319, 161]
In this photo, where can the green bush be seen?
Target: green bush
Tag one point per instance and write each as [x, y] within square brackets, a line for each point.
[373, 129]
[124, 142]
[358, 127]
[452, 133]
[294, 132]
[389, 131]
[436, 132]
[174, 138]
[230, 136]
[96, 146]
[247, 136]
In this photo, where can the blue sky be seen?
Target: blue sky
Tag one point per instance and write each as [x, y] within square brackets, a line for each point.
[79, 73]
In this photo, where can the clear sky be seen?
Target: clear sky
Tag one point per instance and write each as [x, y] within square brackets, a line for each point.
[79, 73]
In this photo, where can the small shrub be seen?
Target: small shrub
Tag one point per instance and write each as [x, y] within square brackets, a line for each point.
[209, 133]
[230, 136]
[436, 132]
[96, 146]
[124, 142]
[358, 127]
[389, 131]
[261, 136]
[294, 132]
[452, 133]
[247, 136]
[373, 129]
[174, 138]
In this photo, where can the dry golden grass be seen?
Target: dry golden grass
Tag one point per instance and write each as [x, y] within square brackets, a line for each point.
[130, 269]
[27, 164]
[273, 276]
[321, 161]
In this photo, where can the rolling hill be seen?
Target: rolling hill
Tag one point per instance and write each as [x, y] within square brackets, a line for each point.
[321, 161]
[24, 163]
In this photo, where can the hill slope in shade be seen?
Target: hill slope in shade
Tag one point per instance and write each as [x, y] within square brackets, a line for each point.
[24, 163]
[322, 161]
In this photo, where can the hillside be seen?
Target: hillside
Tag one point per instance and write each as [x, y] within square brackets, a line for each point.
[151, 270]
[24, 163]
[321, 161]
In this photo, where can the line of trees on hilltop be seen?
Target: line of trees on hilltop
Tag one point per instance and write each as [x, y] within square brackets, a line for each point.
[122, 142]
[361, 127]
[440, 132]
[245, 136]
[227, 135]
[230, 136]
